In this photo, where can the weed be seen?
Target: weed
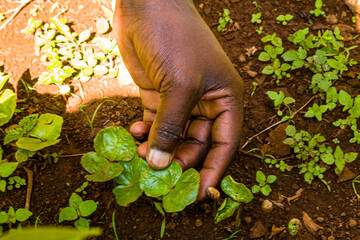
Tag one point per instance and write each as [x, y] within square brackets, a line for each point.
[263, 183]
[12, 216]
[224, 20]
[256, 18]
[317, 11]
[91, 121]
[284, 19]
[259, 30]
[279, 100]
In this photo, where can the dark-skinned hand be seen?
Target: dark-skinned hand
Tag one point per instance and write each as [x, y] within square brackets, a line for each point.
[191, 92]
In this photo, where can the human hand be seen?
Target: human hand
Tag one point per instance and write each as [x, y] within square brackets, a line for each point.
[191, 92]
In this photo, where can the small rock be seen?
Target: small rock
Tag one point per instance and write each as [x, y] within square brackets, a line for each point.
[323, 237]
[201, 5]
[242, 58]
[343, 14]
[198, 223]
[248, 220]
[332, 19]
[343, 214]
[320, 219]
[251, 73]
[331, 238]
[352, 222]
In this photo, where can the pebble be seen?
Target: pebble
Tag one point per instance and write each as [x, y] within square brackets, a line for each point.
[352, 222]
[331, 238]
[251, 73]
[248, 220]
[343, 14]
[242, 58]
[320, 219]
[332, 19]
[198, 223]
[343, 214]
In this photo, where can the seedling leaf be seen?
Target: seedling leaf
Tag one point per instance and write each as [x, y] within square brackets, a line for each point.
[226, 210]
[48, 127]
[7, 105]
[7, 168]
[68, 214]
[237, 191]
[87, 207]
[22, 214]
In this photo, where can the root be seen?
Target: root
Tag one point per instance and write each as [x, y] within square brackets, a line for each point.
[30, 175]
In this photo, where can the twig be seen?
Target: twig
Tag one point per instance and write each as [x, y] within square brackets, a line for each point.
[16, 12]
[30, 175]
[277, 123]
[72, 155]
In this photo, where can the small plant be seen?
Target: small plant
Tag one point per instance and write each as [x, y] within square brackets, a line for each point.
[284, 19]
[256, 5]
[224, 20]
[7, 100]
[238, 194]
[294, 227]
[259, 30]
[78, 210]
[12, 216]
[316, 111]
[263, 183]
[82, 188]
[317, 11]
[256, 18]
[16, 182]
[339, 158]
[255, 84]
[280, 99]
[91, 121]
[163, 223]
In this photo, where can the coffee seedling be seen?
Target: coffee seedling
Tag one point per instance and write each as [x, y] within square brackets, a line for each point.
[263, 183]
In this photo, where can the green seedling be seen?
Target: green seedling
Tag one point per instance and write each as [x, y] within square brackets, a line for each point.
[115, 157]
[34, 133]
[279, 100]
[114, 226]
[284, 19]
[271, 160]
[82, 188]
[91, 121]
[263, 183]
[339, 158]
[259, 30]
[355, 180]
[256, 5]
[233, 235]
[256, 18]
[316, 111]
[309, 151]
[78, 210]
[16, 182]
[238, 194]
[12, 216]
[317, 11]
[7, 100]
[163, 223]
[294, 228]
[255, 84]
[224, 20]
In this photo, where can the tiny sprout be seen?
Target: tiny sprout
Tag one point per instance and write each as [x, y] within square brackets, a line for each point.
[213, 193]
[295, 227]
[267, 206]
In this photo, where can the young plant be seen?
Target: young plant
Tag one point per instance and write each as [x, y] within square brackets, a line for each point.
[34, 133]
[78, 210]
[224, 20]
[115, 157]
[284, 19]
[316, 111]
[82, 188]
[16, 182]
[256, 18]
[294, 227]
[256, 5]
[339, 158]
[163, 223]
[259, 30]
[7, 100]
[12, 216]
[317, 11]
[238, 194]
[91, 121]
[263, 183]
[280, 99]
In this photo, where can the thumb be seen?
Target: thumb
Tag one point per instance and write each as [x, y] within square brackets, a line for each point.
[167, 131]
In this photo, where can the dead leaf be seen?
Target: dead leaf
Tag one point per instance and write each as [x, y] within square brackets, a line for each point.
[346, 175]
[275, 231]
[258, 230]
[289, 199]
[251, 51]
[310, 224]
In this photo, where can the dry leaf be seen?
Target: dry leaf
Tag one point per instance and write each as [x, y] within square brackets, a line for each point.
[258, 230]
[275, 231]
[346, 175]
[310, 224]
[251, 51]
[289, 199]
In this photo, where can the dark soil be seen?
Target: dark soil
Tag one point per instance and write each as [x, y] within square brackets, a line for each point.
[54, 182]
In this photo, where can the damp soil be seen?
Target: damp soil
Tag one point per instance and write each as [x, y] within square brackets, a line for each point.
[336, 212]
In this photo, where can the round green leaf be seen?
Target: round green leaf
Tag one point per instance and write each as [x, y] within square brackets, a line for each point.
[184, 193]
[84, 35]
[68, 214]
[100, 70]
[102, 25]
[3, 217]
[115, 144]
[126, 194]
[271, 179]
[7, 105]
[75, 200]
[266, 190]
[156, 183]
[260, 177]
[255, 189]
[22, 214]
[87, 207]
[34, 144]
[226, 210]
[327, 158]
[290, 130]
[82, 224]
[48, 127]
[7, 168]
[100, 168]
[237, 191]
[264, 56]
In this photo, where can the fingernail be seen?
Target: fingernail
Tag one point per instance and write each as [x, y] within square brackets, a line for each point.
[159, 159]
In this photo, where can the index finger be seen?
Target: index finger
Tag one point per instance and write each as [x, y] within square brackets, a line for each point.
[226, 133]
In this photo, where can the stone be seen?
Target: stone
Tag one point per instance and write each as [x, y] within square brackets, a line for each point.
[320, 219]
[331, 238]
[332, 19]
[352, 222]
[198, 223]
[242, 58]
[248, 220]
[251, 73]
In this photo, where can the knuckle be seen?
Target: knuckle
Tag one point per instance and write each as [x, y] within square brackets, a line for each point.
[169, 132]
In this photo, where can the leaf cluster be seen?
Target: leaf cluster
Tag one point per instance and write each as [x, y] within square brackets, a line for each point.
[12, 216]
[263, 183]
[284, 19]
[224, 20]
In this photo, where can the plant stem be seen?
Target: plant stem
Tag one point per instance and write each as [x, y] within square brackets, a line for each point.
[267, 226]
[237, 218]
[114, 226]
[30, 175]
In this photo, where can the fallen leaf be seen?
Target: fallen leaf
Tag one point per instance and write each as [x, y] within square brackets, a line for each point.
[289, 199]
[346, 175]
[251, 51]
[275, 231]
[258, 230]
[310, 224]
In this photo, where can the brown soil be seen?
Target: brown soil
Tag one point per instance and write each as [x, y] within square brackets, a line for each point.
[54, 182]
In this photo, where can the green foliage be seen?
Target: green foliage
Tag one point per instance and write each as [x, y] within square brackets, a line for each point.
[224, 20]
[263, 183]
[12, 216]
[259, 30]
[7, 100]
[238, 193]
[284, 19]
[256, 18]
[339, 158]
[279, 100]
[82, 188]
[51, 233]
[317, 11]
[115, 158]
[316, 111]
[16, 182]
[78, 210]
